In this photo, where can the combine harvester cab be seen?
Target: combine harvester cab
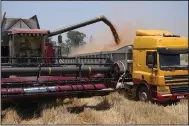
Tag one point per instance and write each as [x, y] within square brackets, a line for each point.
[29, 75]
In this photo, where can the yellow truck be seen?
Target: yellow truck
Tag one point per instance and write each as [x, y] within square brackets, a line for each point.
[158, 70]
[153, 66]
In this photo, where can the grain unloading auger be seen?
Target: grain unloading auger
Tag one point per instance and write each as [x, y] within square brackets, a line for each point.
[89, 22]
[27, 76]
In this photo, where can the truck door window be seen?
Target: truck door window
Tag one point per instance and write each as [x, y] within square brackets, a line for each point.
[154, 57]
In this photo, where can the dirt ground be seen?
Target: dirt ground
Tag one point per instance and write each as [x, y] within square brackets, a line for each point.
[110, 109]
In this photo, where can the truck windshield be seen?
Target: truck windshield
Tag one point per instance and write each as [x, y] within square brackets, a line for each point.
[176, 61]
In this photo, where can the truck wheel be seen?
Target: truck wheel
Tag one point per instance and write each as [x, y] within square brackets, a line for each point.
[143, 94]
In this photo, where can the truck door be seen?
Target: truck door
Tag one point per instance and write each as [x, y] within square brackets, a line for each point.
[151, 64]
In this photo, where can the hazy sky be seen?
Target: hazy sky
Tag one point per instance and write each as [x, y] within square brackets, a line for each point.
[172, 16]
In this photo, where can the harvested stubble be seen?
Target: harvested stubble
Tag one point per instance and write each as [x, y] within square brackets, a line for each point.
[110, 109]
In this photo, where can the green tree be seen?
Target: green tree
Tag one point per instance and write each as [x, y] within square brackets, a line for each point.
[75, 39]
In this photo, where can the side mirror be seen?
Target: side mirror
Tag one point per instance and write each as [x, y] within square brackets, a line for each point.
[59, 38]
[150, 61]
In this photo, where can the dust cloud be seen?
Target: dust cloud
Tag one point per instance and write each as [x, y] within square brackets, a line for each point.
[104, 41]
[126, 28]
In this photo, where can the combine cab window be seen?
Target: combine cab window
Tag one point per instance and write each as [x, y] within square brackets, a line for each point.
[28, 46]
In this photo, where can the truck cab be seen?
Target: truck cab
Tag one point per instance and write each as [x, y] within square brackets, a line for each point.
[159, 69]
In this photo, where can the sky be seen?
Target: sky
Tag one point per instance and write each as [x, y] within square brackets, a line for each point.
[171, 16]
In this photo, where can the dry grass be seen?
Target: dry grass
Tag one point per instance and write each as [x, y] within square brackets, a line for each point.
[111, 109]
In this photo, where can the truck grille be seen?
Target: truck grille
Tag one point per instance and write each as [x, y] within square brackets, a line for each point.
[179, 89]
[176, 80]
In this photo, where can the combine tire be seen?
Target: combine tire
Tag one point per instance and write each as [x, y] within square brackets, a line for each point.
[143, 94]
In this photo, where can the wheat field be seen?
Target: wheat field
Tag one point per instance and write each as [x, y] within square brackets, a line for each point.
[111, 109]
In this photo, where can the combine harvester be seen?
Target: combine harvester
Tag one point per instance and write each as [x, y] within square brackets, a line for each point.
[30, 72]
[149, 70]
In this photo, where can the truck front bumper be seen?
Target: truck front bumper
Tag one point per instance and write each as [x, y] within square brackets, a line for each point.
[171, 97]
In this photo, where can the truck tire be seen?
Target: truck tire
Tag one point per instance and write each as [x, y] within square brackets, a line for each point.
[143, 94]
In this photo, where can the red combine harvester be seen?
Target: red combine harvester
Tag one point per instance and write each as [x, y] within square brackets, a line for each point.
[30, 72]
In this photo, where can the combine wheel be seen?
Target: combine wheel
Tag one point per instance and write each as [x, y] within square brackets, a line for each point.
[143, 94]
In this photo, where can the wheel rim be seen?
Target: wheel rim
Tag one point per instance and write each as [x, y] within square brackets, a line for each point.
[143, 96]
